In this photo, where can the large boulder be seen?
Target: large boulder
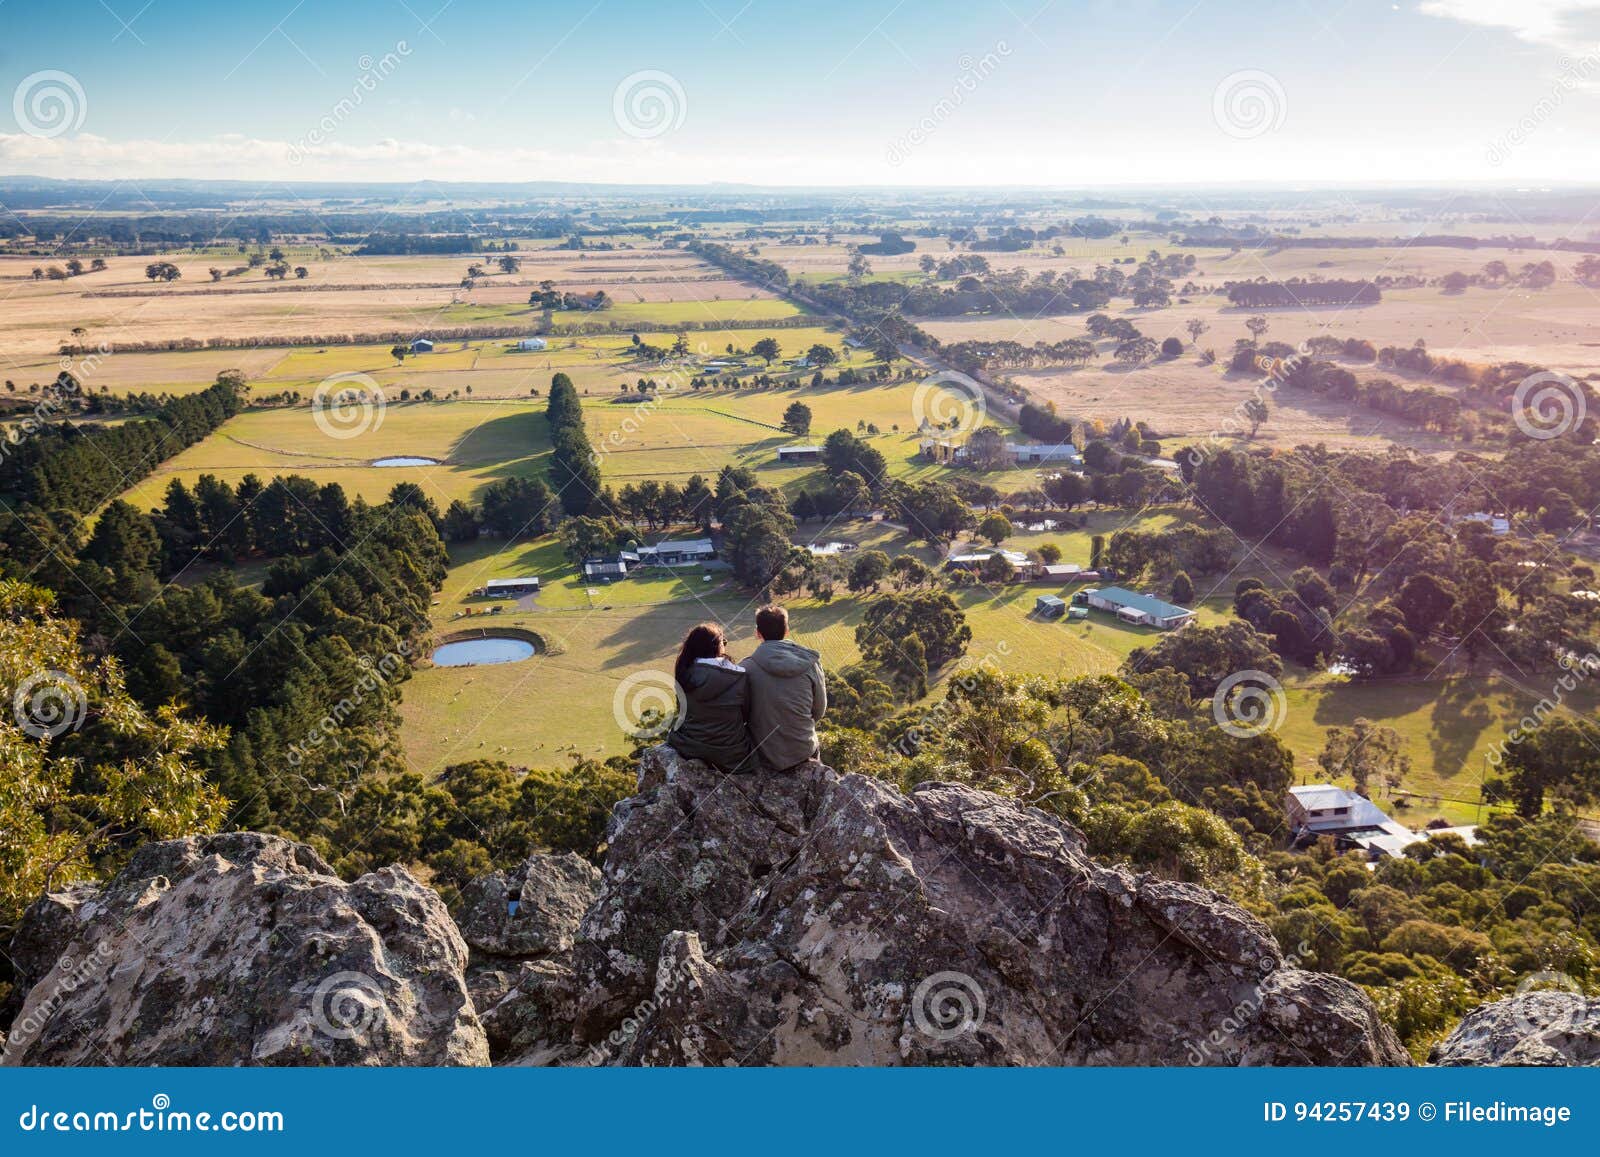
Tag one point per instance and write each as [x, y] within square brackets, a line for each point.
[519, 971]
[817, 918]
[246, 949]
[1550, 1027]
[552, 893]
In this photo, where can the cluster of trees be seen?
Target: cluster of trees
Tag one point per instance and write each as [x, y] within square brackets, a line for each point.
[162, 271]
[741, 265]
[223, 523]
[1265, 294]
[70, 467]
[1185, 548]
[574, 470]
[1384, 535]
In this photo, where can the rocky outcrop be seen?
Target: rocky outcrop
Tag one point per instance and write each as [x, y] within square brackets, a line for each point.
[551, 894]
[809, 918]
[1555, 1027]
[519, 971]
[246, 949]
[814, 918]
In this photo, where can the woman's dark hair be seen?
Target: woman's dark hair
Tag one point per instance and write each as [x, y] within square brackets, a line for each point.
[703, 642]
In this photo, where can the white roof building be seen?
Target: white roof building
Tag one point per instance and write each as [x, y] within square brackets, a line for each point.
[1323, 809]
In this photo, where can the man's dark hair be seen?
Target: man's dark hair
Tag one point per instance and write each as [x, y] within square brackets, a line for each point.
[772, 622]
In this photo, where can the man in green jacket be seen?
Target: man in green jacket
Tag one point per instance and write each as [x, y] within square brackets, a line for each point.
[788, 694]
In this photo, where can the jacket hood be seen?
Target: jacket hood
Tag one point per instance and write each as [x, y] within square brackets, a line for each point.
[709, 680]
[783, 658]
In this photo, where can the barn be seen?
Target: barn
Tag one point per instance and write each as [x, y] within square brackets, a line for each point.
[512, 588]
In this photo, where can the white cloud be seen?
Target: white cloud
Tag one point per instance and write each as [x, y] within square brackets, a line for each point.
[1564, 24]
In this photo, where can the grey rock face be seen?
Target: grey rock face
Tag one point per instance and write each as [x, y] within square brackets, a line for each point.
[553, 892]
[814, 918]
[1544, 1028]
[519, 972]
[247, 949]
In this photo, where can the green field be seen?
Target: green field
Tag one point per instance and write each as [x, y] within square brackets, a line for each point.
[478, 441]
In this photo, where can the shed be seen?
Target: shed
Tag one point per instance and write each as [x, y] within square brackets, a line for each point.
[533, 343]
[422, 345]
[511, 588]
[1049, 606]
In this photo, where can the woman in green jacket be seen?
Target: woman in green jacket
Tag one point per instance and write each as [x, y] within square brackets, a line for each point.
[713, 723]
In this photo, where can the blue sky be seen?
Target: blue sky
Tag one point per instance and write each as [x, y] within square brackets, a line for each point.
[822, 92]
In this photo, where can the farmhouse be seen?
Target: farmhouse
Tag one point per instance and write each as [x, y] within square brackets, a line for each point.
[1132, 607]
[1039, 453]
[511, 588]
[1354, 821]
[799, 453]
[681, 552]
[533, 343]
[422, 345]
